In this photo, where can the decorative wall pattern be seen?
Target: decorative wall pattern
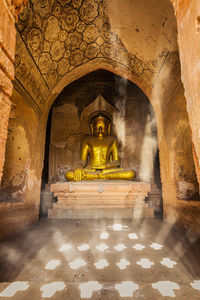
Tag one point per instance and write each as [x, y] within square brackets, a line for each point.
[63, 34]
[27, 73]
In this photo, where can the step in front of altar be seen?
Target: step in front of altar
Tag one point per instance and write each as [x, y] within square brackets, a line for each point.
[100, 199]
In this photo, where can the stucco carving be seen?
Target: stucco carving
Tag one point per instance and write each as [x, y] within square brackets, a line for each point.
[28, 74]
[62, 35]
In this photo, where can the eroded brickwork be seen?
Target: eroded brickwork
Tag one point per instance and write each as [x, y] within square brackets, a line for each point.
[189, 34]
[7, 54]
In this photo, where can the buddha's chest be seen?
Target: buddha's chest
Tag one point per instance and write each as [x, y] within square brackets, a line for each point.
[100, 149]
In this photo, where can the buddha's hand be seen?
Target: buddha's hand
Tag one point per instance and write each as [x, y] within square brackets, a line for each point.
[79, 174]
[100, 167]
[112, 164]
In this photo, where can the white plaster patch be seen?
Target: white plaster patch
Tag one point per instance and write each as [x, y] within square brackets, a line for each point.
[65, 247]
[197, 68]
[83, 247]
[77, 263]
[156, 246]
[168, 263]
[123, 264]
[132, 236]
[196, 285]
[145, 263]
[104, 236]
[52, 264]
[118, 227]
[120, 247]
[101, 264]
[14, 287]
[166, 288]
[138, 247]
[18, 179]
[18, 195]
[88, 288]
[48, 290]
[102, 247]
[126, 288]
[31, 178]
[186, 189]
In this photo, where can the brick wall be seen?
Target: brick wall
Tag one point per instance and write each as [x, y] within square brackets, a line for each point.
[7, 56]
[188, 25]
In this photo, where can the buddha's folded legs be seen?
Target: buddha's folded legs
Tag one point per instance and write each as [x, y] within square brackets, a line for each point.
[119, 175]
[88, 175]
[108, 174]
[69, 175]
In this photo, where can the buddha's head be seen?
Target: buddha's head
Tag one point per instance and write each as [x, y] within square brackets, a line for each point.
[100, 125]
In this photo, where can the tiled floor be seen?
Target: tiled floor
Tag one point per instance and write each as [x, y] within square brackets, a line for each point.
[101, 260]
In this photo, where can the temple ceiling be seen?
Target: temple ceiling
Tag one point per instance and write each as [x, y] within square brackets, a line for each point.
[54, 37]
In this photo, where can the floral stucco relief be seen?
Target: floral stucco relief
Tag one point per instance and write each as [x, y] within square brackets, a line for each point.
[63, 34]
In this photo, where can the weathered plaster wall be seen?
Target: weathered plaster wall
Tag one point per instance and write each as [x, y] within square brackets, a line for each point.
[22, 170]
[188, 21]
[65, 141]
[20, 148]
[178, 138]
[178, 174]
[146, 28]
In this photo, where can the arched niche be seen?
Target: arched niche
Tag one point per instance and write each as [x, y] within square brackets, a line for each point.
[91, 66]
[137, 121]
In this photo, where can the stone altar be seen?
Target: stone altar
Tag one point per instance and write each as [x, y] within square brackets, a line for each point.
[98, 199]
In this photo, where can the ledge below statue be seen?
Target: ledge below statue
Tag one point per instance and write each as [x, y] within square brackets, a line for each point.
[100, 199]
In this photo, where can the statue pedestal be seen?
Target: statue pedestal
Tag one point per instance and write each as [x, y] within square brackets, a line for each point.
[100, 199]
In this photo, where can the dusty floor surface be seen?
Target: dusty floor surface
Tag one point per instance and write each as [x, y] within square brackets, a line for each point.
[96, 260]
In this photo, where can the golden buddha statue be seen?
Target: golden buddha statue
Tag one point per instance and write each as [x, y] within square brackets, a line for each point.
[100, 154]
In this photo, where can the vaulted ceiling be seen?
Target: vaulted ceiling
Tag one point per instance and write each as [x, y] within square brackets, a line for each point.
[56, 37]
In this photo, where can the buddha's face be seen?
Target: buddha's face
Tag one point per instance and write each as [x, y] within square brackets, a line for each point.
[100, 126]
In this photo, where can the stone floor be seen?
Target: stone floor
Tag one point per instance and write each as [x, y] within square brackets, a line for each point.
[101, 260]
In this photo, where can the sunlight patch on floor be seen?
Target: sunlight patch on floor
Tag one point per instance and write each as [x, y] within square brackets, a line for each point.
[52, 264]
[88, 288]
[196, 285]
[168, 263]
[156, 246]
[166, 288]
[73, 267]
[145, 263]
[65, 247]
[118, 227]
[83, 247]
[104, 236]
[101, 264]
[77, 263]
[126, 288]
[48, 290]
[120, 247]
[133, 236]
[14, 287]
[138, 247]
[123, 264]
[102, 247]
